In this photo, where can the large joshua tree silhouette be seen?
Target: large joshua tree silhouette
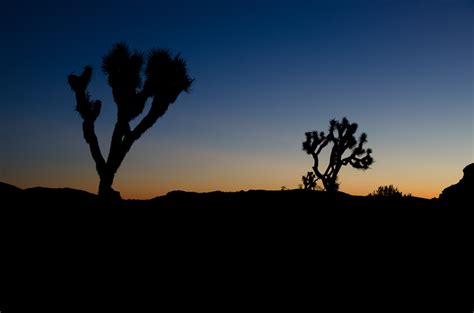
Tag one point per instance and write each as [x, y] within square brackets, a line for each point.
[341, 136]
[165, 78]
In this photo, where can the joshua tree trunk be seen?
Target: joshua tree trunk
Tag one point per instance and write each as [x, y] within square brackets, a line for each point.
[105, 187]
[330, 185]
[328, 181]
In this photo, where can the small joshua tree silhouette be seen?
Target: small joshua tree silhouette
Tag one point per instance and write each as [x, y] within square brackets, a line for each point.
[166, 77]
[341, 136]
[309, 181]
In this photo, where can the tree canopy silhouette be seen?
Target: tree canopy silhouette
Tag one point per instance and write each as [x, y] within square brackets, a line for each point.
[341, 136]
[166, 76]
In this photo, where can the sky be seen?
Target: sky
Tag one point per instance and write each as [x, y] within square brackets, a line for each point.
[265, 73]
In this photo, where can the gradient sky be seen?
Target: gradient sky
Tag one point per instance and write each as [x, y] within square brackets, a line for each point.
[266, 72]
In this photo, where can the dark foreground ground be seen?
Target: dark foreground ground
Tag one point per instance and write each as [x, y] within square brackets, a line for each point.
[61, 250]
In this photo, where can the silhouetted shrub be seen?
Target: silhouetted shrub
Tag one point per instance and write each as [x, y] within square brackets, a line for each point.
[341, 137]
[386, 191]
[165, 78]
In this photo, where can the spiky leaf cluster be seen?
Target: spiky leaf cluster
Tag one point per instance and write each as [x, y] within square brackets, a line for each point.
[123, 68]
[88, 109]
[166, 76]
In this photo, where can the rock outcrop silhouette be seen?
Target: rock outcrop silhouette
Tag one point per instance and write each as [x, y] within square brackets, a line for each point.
[460, 194]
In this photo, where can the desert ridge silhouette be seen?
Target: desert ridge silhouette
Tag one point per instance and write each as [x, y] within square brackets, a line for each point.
[39, 200]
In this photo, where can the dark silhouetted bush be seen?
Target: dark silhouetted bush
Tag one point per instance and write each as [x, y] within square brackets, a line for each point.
[386, 191]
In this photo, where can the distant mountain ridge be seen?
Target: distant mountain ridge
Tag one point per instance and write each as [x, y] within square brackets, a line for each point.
[264, 199]
[455, 196]
[7, 188]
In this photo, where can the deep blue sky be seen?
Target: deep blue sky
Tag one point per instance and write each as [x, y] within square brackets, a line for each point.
[266, 72]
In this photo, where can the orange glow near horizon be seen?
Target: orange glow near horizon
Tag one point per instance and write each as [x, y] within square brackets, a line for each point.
[422, 182]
